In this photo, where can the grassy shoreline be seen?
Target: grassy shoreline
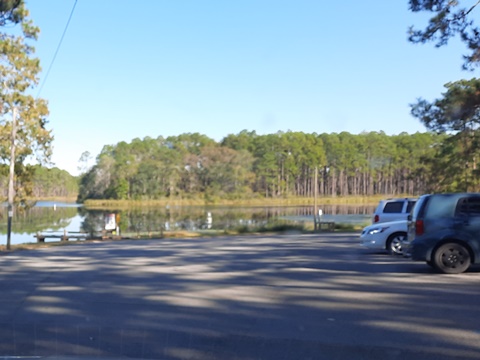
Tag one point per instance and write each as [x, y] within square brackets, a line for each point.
[321, 201]
[291, 201]
[65, 199]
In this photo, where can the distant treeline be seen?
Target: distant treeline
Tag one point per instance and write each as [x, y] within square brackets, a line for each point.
[248, 165]
[40, 182]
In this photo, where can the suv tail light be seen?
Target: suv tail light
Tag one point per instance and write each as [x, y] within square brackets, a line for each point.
[419, 228]
[376, 219]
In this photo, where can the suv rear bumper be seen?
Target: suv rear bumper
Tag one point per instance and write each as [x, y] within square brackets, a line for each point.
[418, 251]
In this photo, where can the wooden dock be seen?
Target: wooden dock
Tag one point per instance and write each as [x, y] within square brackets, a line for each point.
[65, 236]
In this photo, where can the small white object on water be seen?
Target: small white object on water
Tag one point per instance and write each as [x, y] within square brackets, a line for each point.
[209, 220]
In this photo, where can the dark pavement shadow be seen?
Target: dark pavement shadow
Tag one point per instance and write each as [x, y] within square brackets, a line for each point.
[250, 297]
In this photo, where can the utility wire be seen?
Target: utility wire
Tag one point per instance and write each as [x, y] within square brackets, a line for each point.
[58, 48]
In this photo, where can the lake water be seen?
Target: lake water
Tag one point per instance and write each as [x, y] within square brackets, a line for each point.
[58, 217]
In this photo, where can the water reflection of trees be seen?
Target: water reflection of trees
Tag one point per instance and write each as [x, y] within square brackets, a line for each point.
[153, 220]
[37, 219]
[351, 210]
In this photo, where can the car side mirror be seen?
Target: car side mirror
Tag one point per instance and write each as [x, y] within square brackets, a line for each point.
[409, 217]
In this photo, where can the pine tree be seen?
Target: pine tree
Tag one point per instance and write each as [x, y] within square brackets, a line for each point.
[23, 132]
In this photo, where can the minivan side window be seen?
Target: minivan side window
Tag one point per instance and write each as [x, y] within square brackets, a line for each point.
[393, 207]
[468, 206]
[474, 206]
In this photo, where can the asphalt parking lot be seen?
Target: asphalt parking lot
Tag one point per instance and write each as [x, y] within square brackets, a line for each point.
[245, 297]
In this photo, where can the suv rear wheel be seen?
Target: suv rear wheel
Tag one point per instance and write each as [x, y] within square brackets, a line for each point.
[451, 258]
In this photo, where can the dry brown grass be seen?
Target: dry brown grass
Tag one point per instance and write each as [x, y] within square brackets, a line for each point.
[297, 201]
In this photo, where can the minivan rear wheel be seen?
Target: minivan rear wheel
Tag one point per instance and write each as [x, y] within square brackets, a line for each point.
[451, 258]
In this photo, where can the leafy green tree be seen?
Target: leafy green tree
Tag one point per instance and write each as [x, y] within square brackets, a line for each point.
[53, 182]
[224, 172]
[86, 188]
[84, 162]
[333, 153]
[189, 142]
[447, 171]
[22, 117]
[242, 141]
[148, 182]
[9, 13]
[118, 190]
[379, 155]
[456, 113]
[95, 182]
[280, 164]
[180, 167]
[302, 155]
[449, 19]
[267, 152]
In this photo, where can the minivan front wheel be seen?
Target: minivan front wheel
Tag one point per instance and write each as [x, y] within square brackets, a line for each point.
[451, 258]
[394, 243]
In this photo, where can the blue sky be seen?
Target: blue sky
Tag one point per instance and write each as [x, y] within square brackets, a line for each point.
[131, 69]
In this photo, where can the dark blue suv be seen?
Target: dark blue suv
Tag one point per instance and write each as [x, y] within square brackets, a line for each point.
[444, 231]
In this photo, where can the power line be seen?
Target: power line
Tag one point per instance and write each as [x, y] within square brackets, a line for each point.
[58, 48]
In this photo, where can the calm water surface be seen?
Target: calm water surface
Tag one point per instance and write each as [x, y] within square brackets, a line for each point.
[57, 217]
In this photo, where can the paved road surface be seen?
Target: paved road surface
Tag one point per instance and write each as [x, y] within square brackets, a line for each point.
[260, 297]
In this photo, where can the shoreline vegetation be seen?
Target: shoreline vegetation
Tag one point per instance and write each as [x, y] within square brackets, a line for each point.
[263, 202]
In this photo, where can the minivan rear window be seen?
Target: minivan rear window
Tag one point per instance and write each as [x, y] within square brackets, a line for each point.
[440, 206]
[419, 208]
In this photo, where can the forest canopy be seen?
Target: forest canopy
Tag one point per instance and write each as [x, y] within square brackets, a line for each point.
[250, 165]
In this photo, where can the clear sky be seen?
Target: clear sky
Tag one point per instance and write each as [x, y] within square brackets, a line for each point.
[131, 69]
